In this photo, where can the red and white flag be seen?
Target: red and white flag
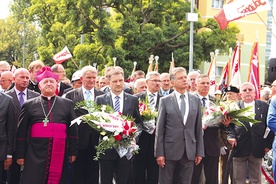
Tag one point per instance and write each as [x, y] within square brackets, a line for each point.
[238, 9]
[254, 72]
[224, 80]
[212, 75]
[62, 56]
[235, 73]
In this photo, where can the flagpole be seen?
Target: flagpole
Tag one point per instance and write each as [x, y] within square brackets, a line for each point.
[270, 30]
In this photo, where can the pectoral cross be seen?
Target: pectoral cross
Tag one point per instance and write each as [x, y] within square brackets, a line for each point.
[45, 121]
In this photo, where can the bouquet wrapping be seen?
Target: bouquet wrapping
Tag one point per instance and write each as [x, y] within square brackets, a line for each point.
[148, 116]
[117, 131]
[214, 114]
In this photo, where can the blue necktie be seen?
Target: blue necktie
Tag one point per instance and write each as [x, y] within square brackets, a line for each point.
[88, 95]
[204, 102]
[21, 98]
[117, 104]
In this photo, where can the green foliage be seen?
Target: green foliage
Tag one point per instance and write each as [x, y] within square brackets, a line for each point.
[126, 29]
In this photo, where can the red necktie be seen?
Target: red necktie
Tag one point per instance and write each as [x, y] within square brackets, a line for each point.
[57, 91]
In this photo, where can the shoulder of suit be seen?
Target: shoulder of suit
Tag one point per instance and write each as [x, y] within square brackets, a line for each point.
[34, 93]
[5, 96]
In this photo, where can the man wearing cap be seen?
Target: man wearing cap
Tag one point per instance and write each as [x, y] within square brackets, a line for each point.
[45, 140]
[75, 82]
[85, 169]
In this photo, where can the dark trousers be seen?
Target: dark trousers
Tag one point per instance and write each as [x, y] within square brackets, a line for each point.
[14, 171]
[120, 166]
[1, 171]
[210, 165]
[145, 165]
[85, 169]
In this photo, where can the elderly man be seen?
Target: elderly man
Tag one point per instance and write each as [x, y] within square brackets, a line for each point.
[20, 94]
[6, 80]
[140, 85]
[211, 137]
[178, 138]
[145, 166]
[45, 140]
[251, 140]
[85, 169]
[60, 71]
[192, 80]
[127, 104]
[165, 84]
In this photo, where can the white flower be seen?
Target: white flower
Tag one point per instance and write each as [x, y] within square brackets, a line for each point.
[105, 138]
[103, 108]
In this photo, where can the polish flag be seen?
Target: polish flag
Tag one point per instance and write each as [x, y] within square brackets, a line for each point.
[235, 73]
[62, 56]
[254, 72]
[238, 9]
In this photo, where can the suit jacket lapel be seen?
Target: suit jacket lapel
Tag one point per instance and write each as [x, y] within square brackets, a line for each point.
[257, 109]
[125, 104]
[79, 94]
[16, 102]
[176, 106]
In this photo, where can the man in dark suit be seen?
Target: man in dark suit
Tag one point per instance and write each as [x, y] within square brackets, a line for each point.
[165, 88]
[85, 169]
[145, 166]
[251, 142]
[6, 132]
[111, 162]
[178, 138]
[106, 89]
[34, 67]
[211, 137]
[20, 94]
[59, 70]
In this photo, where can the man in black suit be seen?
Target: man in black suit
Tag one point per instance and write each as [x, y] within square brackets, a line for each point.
[210, 137]
[85, 169]
[59, 70]
[6, 133]
[145, 166]
[20, 94]
[251, 142]
[111, 162]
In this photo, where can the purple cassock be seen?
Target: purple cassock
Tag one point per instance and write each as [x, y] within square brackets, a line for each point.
[45, 139]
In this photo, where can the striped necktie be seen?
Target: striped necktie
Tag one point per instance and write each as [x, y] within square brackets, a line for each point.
[117, 104]
[151, 99]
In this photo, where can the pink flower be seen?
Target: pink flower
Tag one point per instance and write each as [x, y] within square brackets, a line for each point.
[225, 112]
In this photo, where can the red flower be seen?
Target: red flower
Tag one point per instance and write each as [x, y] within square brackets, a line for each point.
[118, 137]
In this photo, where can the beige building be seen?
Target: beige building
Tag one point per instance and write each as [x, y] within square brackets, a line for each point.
[251, 28]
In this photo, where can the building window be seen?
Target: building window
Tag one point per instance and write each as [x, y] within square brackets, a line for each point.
[217, 3]
[219, 70]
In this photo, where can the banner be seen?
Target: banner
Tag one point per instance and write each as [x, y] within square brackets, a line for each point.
[62, 56]
[238, 9]
[235, 71]
[224, 80]
[254, 70]
[212, 75]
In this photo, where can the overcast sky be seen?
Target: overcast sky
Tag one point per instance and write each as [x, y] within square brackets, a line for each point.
[4, 8]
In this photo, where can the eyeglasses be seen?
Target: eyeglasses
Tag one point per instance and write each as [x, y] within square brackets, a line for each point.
[247, 90]
[155, 80]
[1, 81]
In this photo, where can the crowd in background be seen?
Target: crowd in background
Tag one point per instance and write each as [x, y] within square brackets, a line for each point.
[182, 150]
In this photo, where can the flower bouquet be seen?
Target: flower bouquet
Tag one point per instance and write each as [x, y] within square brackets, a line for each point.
[213, 115]
[117, 131]
[148, 116]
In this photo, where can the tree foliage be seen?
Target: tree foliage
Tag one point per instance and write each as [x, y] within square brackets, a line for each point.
[130, 30]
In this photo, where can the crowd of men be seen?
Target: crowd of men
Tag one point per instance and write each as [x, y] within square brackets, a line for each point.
[38, 145]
